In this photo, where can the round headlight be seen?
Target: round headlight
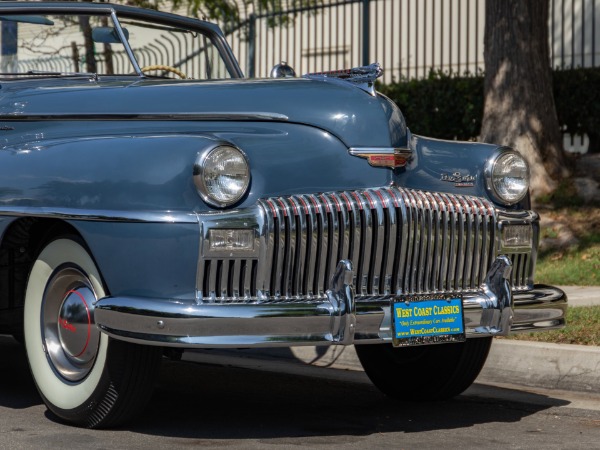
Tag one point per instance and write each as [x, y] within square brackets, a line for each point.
[222, 175]
[508, 177]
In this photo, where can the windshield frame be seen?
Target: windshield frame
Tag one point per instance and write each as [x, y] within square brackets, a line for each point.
[126, 44]
[212, 31]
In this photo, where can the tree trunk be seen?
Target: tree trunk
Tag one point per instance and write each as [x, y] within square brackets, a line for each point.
[519, 106]
[90, 57]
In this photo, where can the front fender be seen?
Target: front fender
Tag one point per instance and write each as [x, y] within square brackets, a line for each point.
[100, 174]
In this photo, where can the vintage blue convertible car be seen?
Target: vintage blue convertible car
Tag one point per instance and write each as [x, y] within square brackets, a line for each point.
[152, 198]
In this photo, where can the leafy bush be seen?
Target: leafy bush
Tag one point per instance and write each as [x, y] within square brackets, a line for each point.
[450, 106]
[577, 99]
[443, 105]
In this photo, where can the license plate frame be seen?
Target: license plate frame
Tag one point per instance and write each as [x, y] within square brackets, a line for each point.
[427, 319]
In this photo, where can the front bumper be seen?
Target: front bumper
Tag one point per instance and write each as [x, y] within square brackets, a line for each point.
[341, 319]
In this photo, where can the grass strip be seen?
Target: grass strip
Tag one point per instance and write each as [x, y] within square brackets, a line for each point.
[571, 254]
[575, 266]
[583, 328]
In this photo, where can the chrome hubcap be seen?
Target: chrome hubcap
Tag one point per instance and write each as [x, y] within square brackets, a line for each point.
[70, 336]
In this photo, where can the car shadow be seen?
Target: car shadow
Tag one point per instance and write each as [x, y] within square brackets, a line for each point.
[17, 388]
[208, 402]
[200, 401]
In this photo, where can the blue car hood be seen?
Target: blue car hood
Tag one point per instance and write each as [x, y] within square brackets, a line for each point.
[354, 116]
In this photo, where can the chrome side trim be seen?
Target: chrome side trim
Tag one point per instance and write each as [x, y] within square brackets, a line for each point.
[252, 116]
[99, 215]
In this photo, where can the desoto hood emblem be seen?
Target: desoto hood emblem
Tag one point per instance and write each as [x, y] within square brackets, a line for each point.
[384, 157]
[459, 179]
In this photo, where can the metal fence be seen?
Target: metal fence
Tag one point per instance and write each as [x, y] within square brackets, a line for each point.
[408, 37]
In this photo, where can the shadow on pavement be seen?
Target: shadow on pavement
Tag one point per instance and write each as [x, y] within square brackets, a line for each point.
[197, 402]
[201, 401]
[17, 389]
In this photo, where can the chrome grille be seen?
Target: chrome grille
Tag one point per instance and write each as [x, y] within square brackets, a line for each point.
[521, 269]
[399, 240]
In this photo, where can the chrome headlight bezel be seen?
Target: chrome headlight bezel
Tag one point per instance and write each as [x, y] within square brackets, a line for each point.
[493, 180]
[201, 171]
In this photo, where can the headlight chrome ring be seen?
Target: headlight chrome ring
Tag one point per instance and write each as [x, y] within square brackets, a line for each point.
[507, 176]
[222, 175]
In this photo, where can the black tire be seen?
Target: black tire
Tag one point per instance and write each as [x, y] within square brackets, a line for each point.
[429, 373]
[84, 377]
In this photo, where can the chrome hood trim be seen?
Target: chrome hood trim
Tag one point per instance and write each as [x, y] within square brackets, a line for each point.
[255, 116]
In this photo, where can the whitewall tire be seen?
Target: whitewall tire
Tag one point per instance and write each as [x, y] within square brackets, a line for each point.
[83, 376]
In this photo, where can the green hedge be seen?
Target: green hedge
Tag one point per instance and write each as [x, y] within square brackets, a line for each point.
[577, 98]
[448, 106]
[443, 105]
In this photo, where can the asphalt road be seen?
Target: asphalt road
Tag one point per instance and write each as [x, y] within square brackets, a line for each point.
[206, 404]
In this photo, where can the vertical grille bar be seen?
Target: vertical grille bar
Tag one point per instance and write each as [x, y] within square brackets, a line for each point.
[461, 245]
[431, 240]
[289, 271]
[224, 283]
[312, 243]
[407, 239]
[469, 243]
[236, 279]
[344, 227]
[423, 242]
[477, 250]
[488, 243]
[527, 271]
[364, 259]
[267, 257]
[452, 239]
[378, 224]
[211, 272]
[333, 244]
[400, 218]
[390, 207]
[354, 232]
[438, 244]
[301, 244]
[323, 246]
[247, 280]
[279, 250]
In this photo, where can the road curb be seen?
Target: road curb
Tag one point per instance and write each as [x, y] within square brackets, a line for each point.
[532, 364]
[544, 365]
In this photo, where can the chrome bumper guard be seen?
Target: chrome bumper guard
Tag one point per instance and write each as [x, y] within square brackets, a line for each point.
[342, 319]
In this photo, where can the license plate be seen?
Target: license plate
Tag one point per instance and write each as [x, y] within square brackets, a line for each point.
[427, 319]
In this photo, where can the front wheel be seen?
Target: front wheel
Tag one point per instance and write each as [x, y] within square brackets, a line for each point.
[83, 376]
[431, 372]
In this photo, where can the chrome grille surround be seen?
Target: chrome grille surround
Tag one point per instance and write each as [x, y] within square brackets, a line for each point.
[401, 241]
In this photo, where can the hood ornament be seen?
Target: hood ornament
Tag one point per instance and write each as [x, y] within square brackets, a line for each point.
[363, 77]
